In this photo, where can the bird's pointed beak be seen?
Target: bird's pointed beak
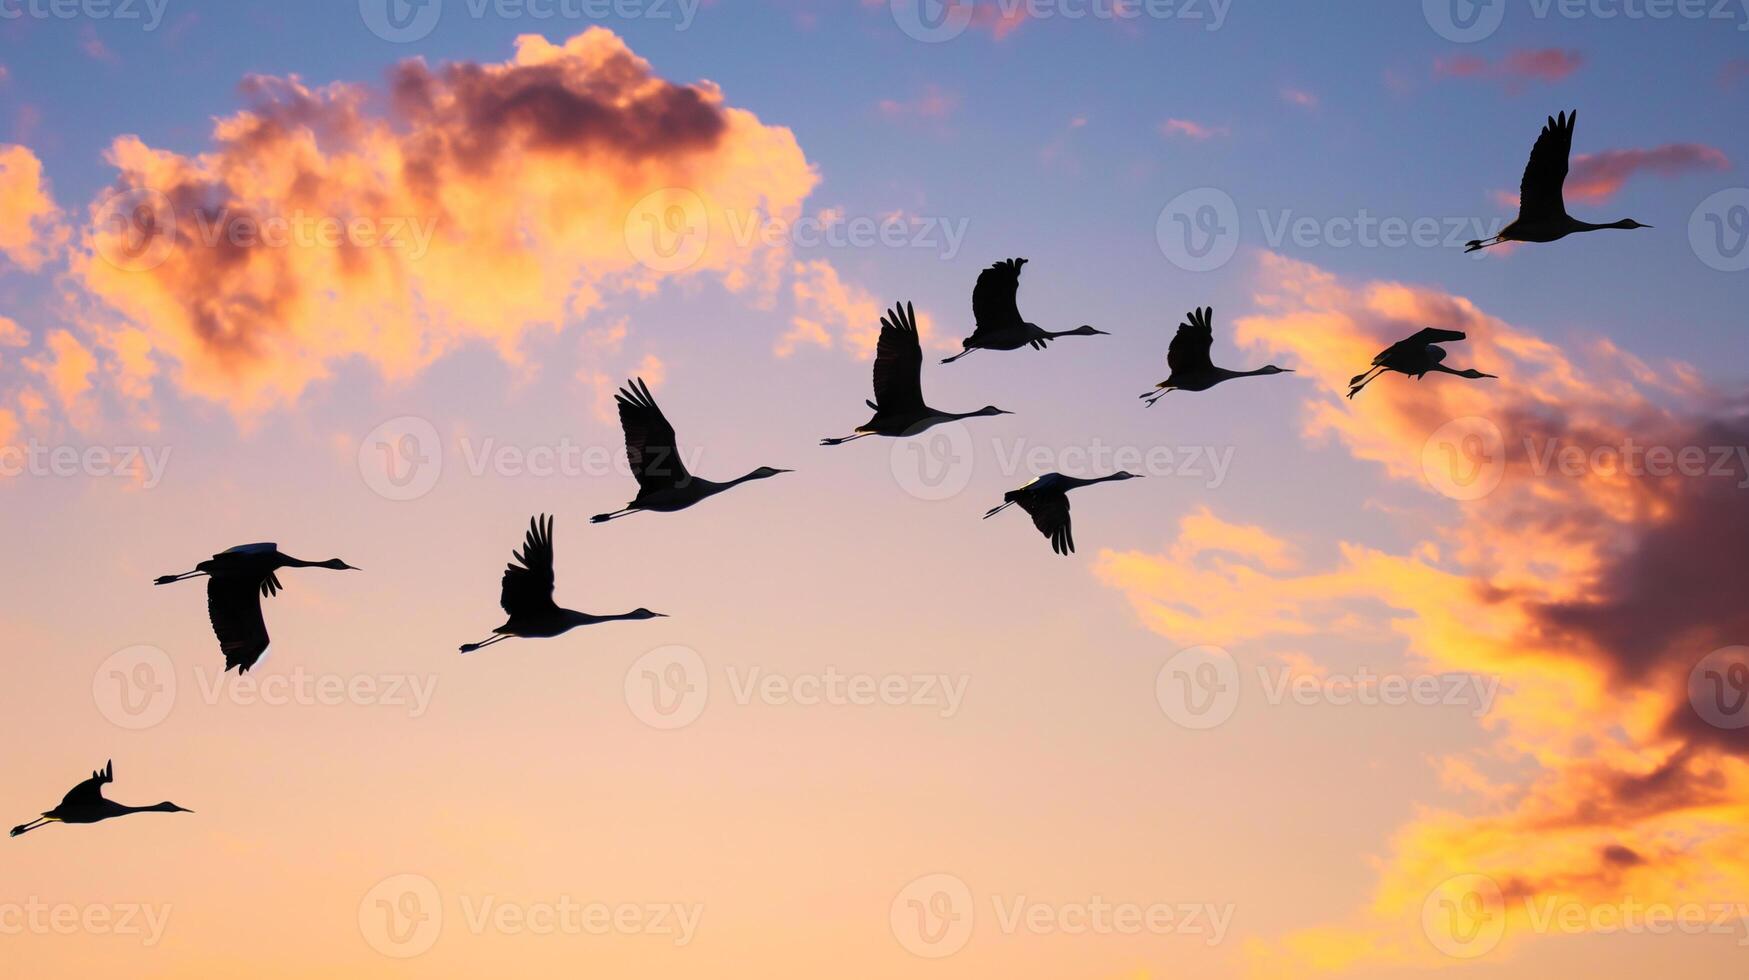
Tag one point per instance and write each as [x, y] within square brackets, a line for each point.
[781, 470]
[353, 568]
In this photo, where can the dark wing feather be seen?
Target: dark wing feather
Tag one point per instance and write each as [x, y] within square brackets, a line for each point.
[1420, 340]
[528, 588]
[650, 443]
[1189, 351]
[994, 305]
[233, 604]
[1539, 192]
[1050, 514]
[91, 790]
[898, 366]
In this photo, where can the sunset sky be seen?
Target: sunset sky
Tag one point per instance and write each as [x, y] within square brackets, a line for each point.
[1451, 677]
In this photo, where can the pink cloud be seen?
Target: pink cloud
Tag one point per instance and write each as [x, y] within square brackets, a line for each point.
[932, 103]
[1734, 72]
[1299, 97]
[1596, 177]
[1516, 70]
[1192, 130]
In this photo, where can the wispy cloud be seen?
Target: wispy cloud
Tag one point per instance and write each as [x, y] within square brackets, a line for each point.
[1299, 97]
[1596, 177]
[1517, 69]
[1192, 130]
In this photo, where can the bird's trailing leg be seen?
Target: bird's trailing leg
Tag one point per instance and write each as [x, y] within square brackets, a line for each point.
[604, 518]
[1360, 381]
[26, 827]
[167, 579]
[1481, 243]
[840, 442]
[471, 647]
[1155, 395]
[992, 512]
[961, 354]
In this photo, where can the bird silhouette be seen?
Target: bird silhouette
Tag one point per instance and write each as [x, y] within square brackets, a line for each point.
[237, 579]
[1542, 211]
[1415, 357]
[84, 803]
[898, 384]
[997, 315]
[527, 594]
[1047, 500]
[1188, 359]
[663, 483]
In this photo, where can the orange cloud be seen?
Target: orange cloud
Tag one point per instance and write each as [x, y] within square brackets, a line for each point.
[486, 200]
[1591, 591]
[830, 312]
[31, 229]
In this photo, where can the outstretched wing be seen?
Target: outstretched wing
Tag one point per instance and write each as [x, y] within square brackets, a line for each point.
[91, 790]
[233, 603]
[1189, 351]
[1421, 339]
[1050, 514]
[898, 366]
[650, 448]
[1539, 192]
[994, 306]
[528, 588]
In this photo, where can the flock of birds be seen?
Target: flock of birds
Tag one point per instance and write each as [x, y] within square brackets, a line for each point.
[239, 578]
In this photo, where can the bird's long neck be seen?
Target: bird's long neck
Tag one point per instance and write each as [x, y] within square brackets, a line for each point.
[154, 808]
[1075, 482]
[1626, 224]
[1083, 331]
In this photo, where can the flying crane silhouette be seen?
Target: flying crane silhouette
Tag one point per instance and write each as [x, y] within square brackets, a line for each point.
[1416, 357]
[1542, 211]
[1047, 500]
[526, 594]
[237, 579]
[84, 803]
[898, 384]
[997, 315]
[663, 483]
[1188, 359]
